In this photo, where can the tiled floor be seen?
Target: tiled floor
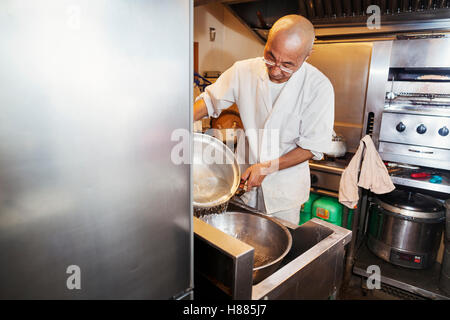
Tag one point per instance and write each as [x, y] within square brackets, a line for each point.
[358, 291]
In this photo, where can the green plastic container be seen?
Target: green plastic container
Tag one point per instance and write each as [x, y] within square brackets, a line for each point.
[330, 210]
[306, 210]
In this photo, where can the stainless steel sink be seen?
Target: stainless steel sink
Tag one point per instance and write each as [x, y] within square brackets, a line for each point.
[313, 268]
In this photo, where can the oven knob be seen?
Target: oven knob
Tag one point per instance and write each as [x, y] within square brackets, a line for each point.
[443, 131]
[400, 127]
[314, 179]
[421, 129]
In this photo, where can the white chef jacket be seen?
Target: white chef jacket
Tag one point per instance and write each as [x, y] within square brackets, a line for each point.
[303, 115]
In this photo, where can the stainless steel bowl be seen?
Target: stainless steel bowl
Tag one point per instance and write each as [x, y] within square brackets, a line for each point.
[270, 239]
[216, 173]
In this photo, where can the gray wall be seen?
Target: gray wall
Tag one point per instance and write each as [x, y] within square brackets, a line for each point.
[90, 92]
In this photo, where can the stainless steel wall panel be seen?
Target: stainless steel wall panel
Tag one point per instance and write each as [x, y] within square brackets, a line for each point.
[419, 155]
[407, 53]
[347, 67]
[90, 93]
[379, 71]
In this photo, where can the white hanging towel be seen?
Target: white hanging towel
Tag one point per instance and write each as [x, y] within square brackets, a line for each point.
[374, 175]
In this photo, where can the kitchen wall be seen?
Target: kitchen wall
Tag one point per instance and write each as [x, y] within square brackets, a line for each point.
[233, 40]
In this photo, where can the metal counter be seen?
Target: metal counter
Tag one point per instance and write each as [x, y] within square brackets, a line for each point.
[313, 269]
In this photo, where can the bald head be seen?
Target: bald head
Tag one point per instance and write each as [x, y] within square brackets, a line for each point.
[295, 30]
[289, 43]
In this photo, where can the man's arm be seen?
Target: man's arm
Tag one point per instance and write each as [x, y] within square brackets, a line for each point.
[257, 172]
[217, 96]
[200, 110]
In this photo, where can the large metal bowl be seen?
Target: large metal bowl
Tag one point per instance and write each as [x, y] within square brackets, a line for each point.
[270, 239]
[216, 173]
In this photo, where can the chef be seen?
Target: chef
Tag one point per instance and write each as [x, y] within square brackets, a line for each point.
[287, 109]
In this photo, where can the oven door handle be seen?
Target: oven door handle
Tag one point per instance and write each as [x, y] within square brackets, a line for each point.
[418, 151]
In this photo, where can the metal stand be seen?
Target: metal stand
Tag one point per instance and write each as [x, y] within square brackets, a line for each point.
[350, 259]
[423, 283]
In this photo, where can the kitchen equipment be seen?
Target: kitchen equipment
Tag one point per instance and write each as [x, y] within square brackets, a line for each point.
[326, 174]
[338, 147]
[405, 228]
[398, 16]
[444, 280]
[216, 175]
[270, 239]
[312, 269]
[408, 108]
[416, 114]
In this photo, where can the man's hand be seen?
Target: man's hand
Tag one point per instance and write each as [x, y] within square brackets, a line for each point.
[255, 174]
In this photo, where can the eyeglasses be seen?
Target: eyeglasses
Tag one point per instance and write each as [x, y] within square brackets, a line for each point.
[273, 64]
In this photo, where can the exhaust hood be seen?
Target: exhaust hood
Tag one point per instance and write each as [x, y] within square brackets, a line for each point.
[337, 18]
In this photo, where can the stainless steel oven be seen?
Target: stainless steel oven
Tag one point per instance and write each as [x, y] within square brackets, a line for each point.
[408, 110]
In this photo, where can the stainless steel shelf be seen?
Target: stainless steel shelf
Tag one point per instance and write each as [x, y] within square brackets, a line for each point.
[403, 178]
[424, 283]
[421, 184]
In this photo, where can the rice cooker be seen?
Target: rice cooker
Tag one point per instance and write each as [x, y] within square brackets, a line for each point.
[405, 228]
